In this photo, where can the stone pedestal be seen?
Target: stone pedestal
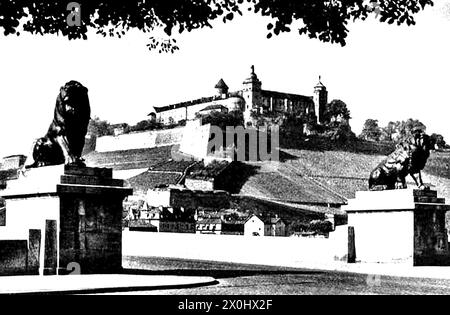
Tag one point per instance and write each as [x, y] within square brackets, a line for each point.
[399, 225]
[78, 211]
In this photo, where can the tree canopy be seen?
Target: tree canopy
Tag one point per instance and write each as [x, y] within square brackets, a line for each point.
[336, 111]
[439, 139]
[394, 131]
[215, 118]
[371, 130]
[326, 20]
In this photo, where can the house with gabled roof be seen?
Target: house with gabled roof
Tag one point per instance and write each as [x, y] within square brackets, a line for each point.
[274, 226]
[254, 226]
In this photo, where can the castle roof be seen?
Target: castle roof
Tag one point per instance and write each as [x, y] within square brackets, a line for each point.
[213, 107]
[221, 85]
[159, 109]
[320, 84]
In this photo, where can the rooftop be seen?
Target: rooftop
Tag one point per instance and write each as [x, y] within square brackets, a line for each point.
[320, 84]
[272, 220]
[200, 171]
[221, 85]
[210, 221]
[159, 109]
[212, 107]
[149, 180]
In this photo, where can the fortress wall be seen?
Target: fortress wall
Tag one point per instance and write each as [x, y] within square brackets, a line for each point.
[139, 140]
[177, 114]
[195, 139]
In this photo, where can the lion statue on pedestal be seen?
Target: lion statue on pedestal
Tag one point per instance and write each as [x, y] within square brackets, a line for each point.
[64, 141]
[410, 158]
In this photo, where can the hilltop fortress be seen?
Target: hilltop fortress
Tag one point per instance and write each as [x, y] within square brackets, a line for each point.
[251, 98]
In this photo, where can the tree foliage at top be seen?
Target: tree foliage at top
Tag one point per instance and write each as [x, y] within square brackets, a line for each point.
[371, 131]
[325, 20]
[389, 131]
[439, 140]
[336, 111]
[405, 128]
[394, 131]
[99, 127]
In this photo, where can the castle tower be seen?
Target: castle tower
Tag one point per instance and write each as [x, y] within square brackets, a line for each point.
[320, 99]
[251, 93]
[221, 88]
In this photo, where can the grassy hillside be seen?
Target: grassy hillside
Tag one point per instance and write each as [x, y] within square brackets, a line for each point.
[342, 171]
[290, 188]
[439, 164]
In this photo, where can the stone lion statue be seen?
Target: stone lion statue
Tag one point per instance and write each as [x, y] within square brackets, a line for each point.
[410, 158]
[64, 140]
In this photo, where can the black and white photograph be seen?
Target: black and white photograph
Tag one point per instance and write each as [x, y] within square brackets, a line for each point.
[224, 152]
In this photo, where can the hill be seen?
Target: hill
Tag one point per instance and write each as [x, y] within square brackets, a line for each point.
[313, 171]
[341, 171]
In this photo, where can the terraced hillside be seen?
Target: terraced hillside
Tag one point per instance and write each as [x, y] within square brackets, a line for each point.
[329, 176]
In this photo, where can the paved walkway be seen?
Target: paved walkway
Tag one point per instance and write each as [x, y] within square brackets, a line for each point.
[97, 283]
[386, 269]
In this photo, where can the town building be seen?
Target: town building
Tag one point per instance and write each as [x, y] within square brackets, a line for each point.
[188, 199]
[177, 220]
[233, 226]
[250, 98]
[163, 219]
[274, 226]
[254, 226]
[209, 226]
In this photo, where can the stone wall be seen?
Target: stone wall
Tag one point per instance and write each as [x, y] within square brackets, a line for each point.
[140, 140]
[383, 236]
[195, 139]
[188, 199]
[13, 257]
[193, 199]
[158, 197]
[262, 250]
[199, 184]
[399, 225]
[12, 162]
[78, 212]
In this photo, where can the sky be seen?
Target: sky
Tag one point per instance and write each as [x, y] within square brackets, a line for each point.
[385, 72]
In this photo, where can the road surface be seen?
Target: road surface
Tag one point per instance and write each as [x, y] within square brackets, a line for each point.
[256, 280]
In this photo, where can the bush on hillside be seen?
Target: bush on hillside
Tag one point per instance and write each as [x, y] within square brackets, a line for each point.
[317, 226]
[340, 132]
[232, 118]
[144, 125]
